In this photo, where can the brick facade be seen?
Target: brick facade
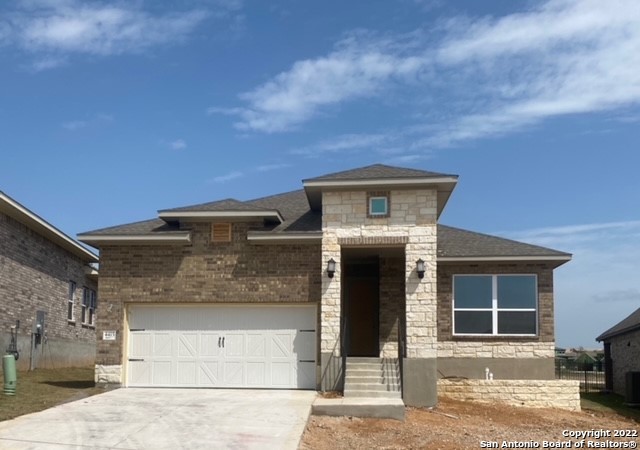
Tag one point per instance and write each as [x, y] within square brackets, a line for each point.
[544, 273]
[34, 276]
[201, 272]
[391, 304]
[625, 356]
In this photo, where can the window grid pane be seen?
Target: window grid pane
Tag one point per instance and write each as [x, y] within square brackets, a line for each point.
[516, 314]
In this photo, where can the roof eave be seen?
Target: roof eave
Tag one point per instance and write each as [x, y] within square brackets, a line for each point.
[444, 185]
[208, 215]
[23, 215]
[95, 240]
[561, 259]
[261, 237]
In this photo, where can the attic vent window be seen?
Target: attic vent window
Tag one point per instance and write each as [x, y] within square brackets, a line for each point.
[220, 232]
[378, 204]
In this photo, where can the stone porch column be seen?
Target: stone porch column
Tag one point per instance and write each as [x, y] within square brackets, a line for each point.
[419, 382]
[331, 377]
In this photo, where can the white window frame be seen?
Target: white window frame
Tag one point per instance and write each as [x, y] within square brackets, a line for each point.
[386, 205]
[89, 302]
[494, 305]
[71, 300]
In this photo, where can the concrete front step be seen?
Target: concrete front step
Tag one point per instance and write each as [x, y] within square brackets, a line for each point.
[370, 379]
[383, 408]
[366, 359]
[351, 387]
[371, 394]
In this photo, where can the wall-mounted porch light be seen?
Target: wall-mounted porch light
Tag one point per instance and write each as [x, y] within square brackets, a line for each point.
[331, 268]
[420, 268]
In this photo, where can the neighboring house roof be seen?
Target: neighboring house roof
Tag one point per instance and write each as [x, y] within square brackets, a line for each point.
[15, 210]
[630, 323]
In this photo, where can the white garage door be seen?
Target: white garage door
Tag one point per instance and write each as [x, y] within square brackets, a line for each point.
[222, 346]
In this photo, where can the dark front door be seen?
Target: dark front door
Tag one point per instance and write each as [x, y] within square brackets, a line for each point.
[361, 303]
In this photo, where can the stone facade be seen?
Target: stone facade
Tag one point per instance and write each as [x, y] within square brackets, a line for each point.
[200, 272]
[564, 394]
[34, 276]
[391, 304]
[412, 219]
[625, 356]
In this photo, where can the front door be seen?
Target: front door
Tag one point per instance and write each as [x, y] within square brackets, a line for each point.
[362, 309]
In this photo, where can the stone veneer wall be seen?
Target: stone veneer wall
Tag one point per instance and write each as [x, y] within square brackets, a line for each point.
[201, 272]
[391, 304]
[412, 216]
[625, 355]
[35, 275]
[412, 224]
[564, 394]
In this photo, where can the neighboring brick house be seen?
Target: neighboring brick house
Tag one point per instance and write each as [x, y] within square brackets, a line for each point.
[621, 352]
[43, 269]
[277, 291]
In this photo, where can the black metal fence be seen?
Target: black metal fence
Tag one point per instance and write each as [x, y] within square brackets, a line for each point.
[590, 375]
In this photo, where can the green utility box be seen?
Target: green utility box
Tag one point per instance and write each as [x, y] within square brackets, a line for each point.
[10, 378]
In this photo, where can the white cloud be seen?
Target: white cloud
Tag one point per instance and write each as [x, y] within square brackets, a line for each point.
[98, 119]
[501, 74]
[52, 30]
[356, 69]
[271, 167]
[600, 286]
[227, 177]
[178, 144]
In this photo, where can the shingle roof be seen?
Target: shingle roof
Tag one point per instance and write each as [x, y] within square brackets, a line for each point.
[455, 242]
[631, 323]
[143, 228]
[229, 204]
[378, 171]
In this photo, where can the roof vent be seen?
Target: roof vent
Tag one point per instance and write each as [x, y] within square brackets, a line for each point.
[220, 232]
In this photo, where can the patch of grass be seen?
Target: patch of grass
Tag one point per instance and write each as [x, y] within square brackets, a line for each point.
[609, 403]
[44, 388]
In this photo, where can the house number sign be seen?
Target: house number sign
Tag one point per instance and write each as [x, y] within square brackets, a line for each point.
[109, 335]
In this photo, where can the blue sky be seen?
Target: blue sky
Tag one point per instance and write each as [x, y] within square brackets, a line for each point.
[111, 111]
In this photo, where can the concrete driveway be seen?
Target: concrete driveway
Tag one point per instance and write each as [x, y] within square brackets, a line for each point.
[166, 419]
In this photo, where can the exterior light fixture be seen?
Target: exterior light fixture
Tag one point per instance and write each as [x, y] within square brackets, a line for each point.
[420, 268]
[331, 267]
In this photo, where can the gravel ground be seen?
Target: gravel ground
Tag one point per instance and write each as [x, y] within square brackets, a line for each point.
[464, 425]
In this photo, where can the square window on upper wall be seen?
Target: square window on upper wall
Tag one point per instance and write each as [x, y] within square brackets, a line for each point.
[378, 206]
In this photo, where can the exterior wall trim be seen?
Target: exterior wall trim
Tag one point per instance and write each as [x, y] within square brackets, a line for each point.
[218, 214]
[134, 239]
[380, 182]
[502, 258]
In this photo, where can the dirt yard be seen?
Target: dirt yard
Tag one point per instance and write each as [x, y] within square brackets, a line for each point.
[461, 425]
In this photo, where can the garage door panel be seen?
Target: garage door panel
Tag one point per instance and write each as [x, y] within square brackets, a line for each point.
[256, 345]
[281, 345]
[256, 373]
[161, 373]
[230, 346]
[188, 345]
[140, 345]
[209, 374]
[162, 345]
[306, 375]
[210, 344]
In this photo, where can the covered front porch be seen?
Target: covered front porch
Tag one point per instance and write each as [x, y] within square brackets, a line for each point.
[378, 318]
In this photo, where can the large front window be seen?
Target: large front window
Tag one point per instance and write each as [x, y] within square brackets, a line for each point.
[495, 304]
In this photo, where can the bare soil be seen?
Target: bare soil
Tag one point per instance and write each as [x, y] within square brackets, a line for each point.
[460, 425]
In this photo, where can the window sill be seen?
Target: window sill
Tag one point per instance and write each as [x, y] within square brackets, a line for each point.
[86, 325]
[493, 337]
[71, 322]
